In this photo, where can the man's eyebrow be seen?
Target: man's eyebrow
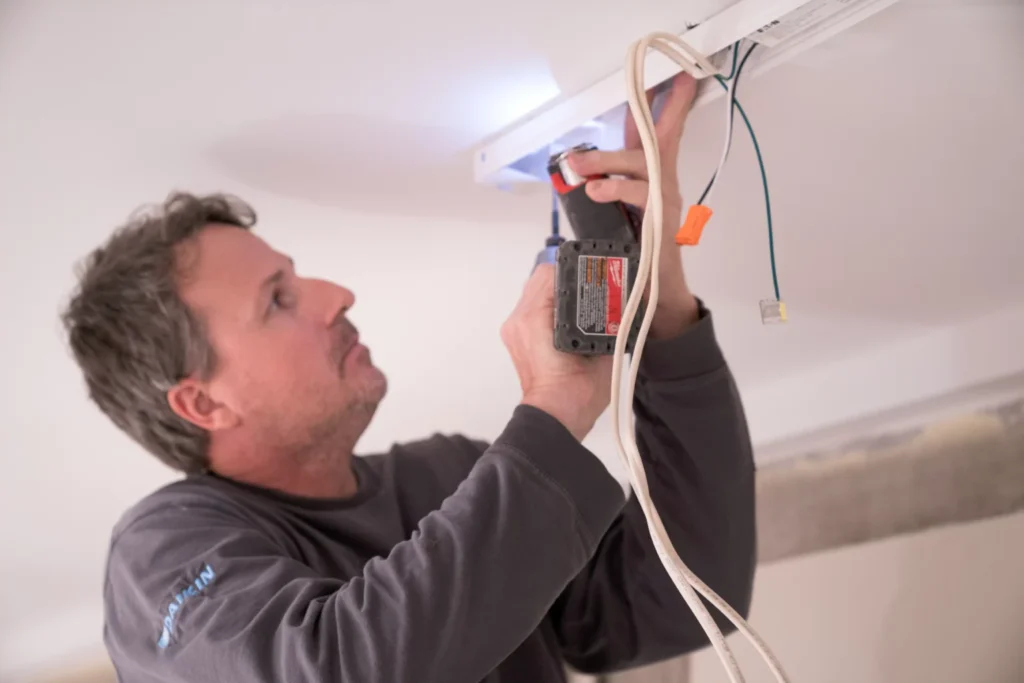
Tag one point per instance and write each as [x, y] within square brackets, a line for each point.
[274, 279]
[277, 275]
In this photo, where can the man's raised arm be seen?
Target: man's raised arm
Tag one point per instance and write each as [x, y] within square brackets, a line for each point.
[623, 610]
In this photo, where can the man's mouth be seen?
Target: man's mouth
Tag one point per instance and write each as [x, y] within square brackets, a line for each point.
[348, 341]
[351, 347]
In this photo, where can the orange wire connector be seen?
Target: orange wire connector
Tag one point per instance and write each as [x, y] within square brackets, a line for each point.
[696, 218]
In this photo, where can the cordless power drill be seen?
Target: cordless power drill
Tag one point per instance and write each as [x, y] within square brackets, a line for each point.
[594, 273]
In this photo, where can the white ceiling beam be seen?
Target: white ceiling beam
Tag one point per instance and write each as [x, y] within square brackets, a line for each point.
[529, 136]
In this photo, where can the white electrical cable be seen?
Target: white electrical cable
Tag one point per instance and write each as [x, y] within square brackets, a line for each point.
[729, 109]
[688, 584]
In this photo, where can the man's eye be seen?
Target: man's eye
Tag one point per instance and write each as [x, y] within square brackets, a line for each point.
[281, 299]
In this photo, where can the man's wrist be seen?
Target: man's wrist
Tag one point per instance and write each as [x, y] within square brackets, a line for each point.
[675, 314]
[565, 412]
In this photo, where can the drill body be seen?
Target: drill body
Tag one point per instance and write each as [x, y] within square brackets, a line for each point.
[595, 272]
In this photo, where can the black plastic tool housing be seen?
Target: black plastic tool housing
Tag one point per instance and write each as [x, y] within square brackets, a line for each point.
[596, 271]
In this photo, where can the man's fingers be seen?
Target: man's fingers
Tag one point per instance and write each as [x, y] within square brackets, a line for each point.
[540, 288]
[670, 121]
[628, 162]
[618, 189]
[669, 125]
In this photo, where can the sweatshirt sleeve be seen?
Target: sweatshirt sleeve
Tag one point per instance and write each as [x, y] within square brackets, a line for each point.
[623, 610]
[197, 593]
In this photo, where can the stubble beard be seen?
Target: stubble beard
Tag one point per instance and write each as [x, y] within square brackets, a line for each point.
[335, 435]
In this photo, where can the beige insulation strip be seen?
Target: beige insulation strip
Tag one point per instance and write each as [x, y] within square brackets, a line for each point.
[957, 470]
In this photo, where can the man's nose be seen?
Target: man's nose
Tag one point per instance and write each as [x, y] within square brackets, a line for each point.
[335, 299]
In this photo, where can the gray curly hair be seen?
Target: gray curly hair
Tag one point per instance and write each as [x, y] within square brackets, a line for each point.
[132, 335]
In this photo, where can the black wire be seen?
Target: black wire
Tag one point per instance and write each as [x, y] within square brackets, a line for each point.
[554, 214]
[737, 70]
[745, 58]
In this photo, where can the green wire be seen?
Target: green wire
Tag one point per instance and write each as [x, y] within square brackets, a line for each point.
[764, 182]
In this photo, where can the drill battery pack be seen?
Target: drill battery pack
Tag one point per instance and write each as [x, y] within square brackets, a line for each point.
[593, 283]
[595, 272]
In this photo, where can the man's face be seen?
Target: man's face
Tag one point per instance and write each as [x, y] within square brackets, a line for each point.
[290, 369]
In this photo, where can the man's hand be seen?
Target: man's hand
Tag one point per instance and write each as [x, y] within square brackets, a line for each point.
[573, 389]
[677, 308]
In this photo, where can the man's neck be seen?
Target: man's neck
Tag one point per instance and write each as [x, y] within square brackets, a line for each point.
[308, 475]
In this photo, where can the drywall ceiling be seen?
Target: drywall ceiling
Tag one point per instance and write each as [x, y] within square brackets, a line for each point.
[893, 162]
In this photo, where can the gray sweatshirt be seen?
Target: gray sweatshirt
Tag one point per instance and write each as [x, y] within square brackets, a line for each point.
[457, 562]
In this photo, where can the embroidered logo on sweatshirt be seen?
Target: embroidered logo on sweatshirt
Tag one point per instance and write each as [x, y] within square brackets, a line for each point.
[196, 586]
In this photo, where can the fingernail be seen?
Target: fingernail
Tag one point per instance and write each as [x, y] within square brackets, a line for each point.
[595, 188]
[580, 160]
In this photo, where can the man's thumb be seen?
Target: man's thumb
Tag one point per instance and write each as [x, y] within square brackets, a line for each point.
[541, 285]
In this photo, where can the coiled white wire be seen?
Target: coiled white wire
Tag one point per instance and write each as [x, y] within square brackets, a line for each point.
[688, 584]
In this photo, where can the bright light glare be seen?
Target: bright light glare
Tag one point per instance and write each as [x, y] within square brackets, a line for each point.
[507, 97]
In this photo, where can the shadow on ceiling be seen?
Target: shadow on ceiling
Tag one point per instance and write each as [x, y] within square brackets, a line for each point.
[368, 166]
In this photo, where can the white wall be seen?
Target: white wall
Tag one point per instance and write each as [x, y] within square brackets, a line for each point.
[944, 606]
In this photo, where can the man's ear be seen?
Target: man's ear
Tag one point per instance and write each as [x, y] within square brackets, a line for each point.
[191, 401]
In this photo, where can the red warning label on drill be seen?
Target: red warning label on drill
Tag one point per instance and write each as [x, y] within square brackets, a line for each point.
[602, 291]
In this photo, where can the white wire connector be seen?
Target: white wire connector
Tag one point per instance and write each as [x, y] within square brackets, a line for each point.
[773, 311]
[688, 583]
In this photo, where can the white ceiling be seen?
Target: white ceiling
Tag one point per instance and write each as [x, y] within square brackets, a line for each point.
[894, 156]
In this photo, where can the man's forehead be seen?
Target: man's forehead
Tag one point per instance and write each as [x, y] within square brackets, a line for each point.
[226, 262]
[227, 242]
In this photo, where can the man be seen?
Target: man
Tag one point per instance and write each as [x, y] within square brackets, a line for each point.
[281, 557]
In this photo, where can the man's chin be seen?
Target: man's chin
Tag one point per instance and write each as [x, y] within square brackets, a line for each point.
[376, 384]
[368, 394]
